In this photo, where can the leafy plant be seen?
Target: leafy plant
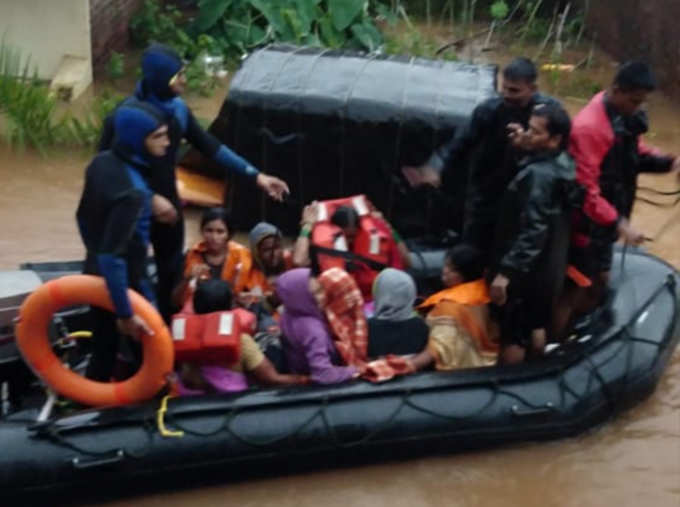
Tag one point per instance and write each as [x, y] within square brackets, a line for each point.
[238, 26]
[116, 66]
[160, 23]
[529, 23]
[574, 84]
[86, 130]
[25, 102]
[414, 43]
[198, 81]
[499, 10]
[387, 14]
[29, 108]
[165, 23]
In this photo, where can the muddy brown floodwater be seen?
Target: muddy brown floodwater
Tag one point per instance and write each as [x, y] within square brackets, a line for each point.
[633, 460]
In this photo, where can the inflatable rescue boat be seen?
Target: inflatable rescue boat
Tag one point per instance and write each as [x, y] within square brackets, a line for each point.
[610, 365]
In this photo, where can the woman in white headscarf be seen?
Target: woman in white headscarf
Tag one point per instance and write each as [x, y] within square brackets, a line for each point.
[395, 327]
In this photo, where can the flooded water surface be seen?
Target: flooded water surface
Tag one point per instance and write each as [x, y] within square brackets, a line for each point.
[632, 461]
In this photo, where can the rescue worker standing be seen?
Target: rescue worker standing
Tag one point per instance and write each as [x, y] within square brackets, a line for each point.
[483, 144]
[532, 234]
[114, 219]
[609, 153]
[162, 82]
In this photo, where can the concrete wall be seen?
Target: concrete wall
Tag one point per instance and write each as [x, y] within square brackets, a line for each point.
[109, 21]
[47, 30]
[641, 29]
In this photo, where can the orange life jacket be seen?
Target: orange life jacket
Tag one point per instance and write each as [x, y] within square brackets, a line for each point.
[258, 281]
[210, 338]
[372, 245]
[236, 267]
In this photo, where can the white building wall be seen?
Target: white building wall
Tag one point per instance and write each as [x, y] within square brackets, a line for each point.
[48, 30]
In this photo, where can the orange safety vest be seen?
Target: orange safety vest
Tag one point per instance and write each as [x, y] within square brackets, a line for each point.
[373, 244]
[235, 270]
[210, 338]
[464, 303]
[257, 277]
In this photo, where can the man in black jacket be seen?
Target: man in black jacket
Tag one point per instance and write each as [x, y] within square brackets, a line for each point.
[532, 233]
[162, 82]
[483, 146]
[114, 219]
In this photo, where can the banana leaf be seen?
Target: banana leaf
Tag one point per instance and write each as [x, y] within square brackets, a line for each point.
[343, 12]
[367, 35]
[210, 13]
[329, 34]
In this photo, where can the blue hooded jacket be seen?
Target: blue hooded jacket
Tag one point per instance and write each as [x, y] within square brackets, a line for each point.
[114, 213]
[160, 64]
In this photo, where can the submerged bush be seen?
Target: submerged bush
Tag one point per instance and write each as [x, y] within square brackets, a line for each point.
[231, 28]
[26, 105]
[29, 109]
[237, 26]
[86, 130]
[116, 66]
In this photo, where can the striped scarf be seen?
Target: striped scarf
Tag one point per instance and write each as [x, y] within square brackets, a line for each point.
[343, 309]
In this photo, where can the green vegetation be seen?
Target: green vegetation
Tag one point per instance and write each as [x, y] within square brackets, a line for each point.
[116, 66]
[25, 104]
[240, 25]
[514, 20]
[499, 10]
[231, 28]
[29, 113]
[227, 29]
[572, 84]
[86, 130]
[414, 43]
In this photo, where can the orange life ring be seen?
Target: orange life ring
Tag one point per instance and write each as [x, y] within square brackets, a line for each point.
[31, 333]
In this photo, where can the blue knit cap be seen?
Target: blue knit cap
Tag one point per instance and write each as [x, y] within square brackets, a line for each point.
[159, 64]
[134, 121]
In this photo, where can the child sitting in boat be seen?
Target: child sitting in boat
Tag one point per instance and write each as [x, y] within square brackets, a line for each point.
[216, 257]
[462, 334]
[395, 327]
[214, 296]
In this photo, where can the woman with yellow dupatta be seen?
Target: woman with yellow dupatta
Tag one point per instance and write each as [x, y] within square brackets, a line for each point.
[462, 334]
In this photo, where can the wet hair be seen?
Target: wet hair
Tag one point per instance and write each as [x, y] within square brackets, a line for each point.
[559, 123]
[345, 216]
[521, 69]
[467, 260]
[211, 214]
[633, 76]
[212, 296]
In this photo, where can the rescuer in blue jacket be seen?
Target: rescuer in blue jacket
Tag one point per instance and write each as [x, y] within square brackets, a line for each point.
[114, 219]
[163, 80]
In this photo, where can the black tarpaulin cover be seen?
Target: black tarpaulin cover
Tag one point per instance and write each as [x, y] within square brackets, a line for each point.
[334, 123]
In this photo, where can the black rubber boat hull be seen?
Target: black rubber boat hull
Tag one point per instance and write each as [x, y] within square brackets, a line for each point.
[578, 386]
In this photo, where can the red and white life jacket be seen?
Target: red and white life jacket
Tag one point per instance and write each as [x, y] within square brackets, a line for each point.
[210, 338]
[371, 247]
